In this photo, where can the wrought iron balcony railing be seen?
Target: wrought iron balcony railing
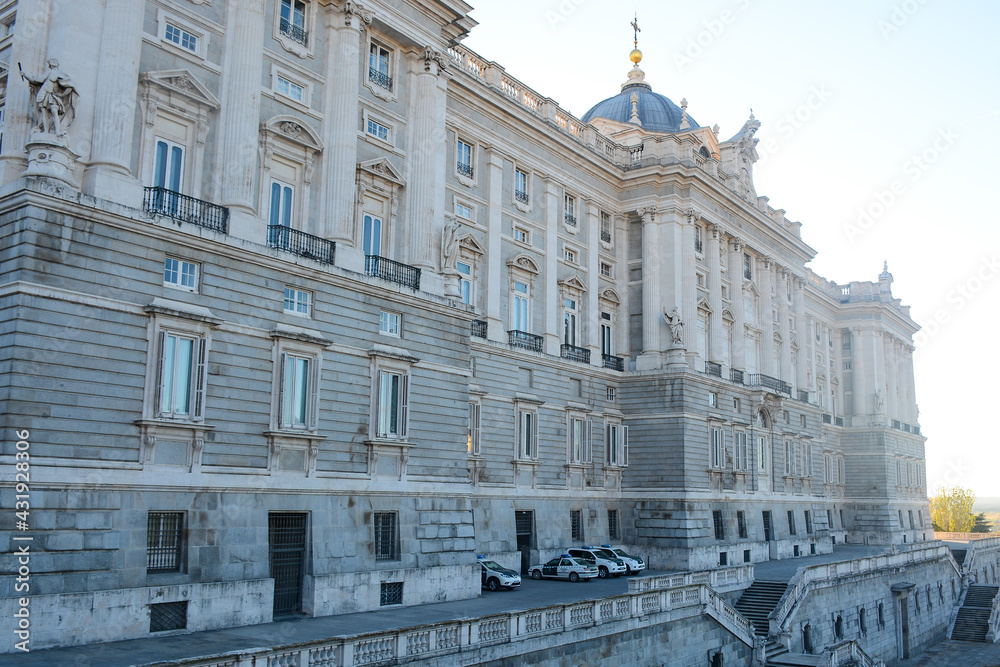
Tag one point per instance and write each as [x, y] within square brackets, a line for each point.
[774, 384]
[606, 236]
[524, 339]
[380, 79]
[521, 196]
[570, 219]
[574, 353]
[465, 169]
[803, 395]
[294, 32]
[300, 243]
[480, 328]
[174, 205]
[613, 362]
[713, 368]
[736, 376]
[698, 247]
[393, 271]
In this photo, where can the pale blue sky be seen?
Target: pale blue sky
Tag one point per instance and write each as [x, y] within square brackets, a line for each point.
[874, 84]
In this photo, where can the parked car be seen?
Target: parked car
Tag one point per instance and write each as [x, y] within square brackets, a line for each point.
[495, 576]
[564, 567]
[608, 564]
[633, 564]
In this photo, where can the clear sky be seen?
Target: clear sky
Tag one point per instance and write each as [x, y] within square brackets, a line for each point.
[889, 107]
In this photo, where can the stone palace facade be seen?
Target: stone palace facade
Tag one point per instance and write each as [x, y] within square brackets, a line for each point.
[304, 305]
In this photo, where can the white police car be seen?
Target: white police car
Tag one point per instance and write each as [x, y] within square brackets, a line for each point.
[495, 576]
[633, 564]
[564, 567]
[608, 564]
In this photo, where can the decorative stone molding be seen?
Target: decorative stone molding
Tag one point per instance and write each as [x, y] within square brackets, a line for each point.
[434, 61]
[356, 15]
[293, 451]
[180, 443]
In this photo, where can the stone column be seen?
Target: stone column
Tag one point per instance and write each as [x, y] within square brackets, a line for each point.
[767, 360]
[891, 367]
[109, 175]
[239, 118]
[875, 370]
[838, 365]
[550, 272]
[812, 328]
[861, 385]
[717, 336]
[652, 315]
[496, 286]
[342, 68]
[592, 313]
[911, 394]
[784, 327]
[427, 158]
[28, 49]
[689, 290]
[801, 331]
[736, 297]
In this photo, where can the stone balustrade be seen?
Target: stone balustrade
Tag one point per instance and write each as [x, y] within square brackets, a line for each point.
[722, 580]
[981, 561]
[846, 654]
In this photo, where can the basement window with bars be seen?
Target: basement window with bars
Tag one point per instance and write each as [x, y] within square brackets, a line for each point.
[167, 616]
[164, 541]
[576, 525]
[391, 593]
[386, 541]
[720, 529]
[613, 524]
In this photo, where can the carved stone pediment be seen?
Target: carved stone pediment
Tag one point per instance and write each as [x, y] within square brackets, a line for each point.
[524, 263]
[469, 242]
[294, 130]
[751, 288]
[184, 83]
[382, 168]
[573, 283]
[611, 296]
[703, 304]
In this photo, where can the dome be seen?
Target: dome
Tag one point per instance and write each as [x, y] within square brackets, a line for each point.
[656, 112]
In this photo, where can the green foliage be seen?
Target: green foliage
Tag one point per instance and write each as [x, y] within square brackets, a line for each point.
[982, 525]
[951, 509]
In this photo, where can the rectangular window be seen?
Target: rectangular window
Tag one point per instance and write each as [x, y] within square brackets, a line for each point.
[713, 399]
[912, 525]
[809, 522]
[464, 281]
[807, 465]
[378, 66]
[579, 440]
[605, 227]
[520, 306]
[762, 455]
[297, 302]
[613, 524]
[180, 274]
[181, 385]
[386, 536]
[742, 462]
[521, 235]
[377, 130]
[388, 324]
[718, 449]
[474, 432]
[390, 593]
[569, 210]
[392, 404]
[741, 523]
[697, 239]
[289, 89]
[576, 525]
[607, 334]
[747, 266]
[789, 458]
[569, 322]
[612, 394]
[617, 445]
[791, 522]
[521, 186]
[606, 270]
[282, 196]
[463, 211]
[569, 255]
[527, 434]
[181, 38]
[293, 20]
[168, 171]
[372, 235]
[164, 541]
[295, 391]
[464, 162]
[720, 528]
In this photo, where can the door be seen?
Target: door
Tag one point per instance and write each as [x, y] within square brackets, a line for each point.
[903, 607]
[372, 236]
[287, 547]
[525, 524]
[168, 174]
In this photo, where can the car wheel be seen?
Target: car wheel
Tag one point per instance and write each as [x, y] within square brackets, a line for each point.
[602, 572]
[536, 574]
[628, 570]
[493, 584]
[573, 576]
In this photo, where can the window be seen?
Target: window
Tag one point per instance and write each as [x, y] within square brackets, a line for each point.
[372, 235]
[718, 449]
[613, 524]
[392, 397]
[840, 471]
[297, 302]
[605, 227]
[576, 525]
[713, 399]
[164, 541]
[606, 270]
[520, 302]
[388, 323]
[741, 450]
[762, 455]
[180, 274]
[282, 196]
[569, 210]
[807, 464]
[522, 235]
[297, 387]
[578, 431]
[168, 168]
[474, 426]
[791, 522]
[386, 536]
[390, 593]
[741, 524]
[293, 21]
[464, 281]
[901, 524]
[697, 239]
[737, 405]
[569, 321]
[829, 519]
[378, 66]
[527, 434]
[181, 373]
[617, 445]
[789, 458]
[289, 89]
[802, 421]
[377, 130]
[569, 255]
[747, 266]
[463, 211]
[464, 162]
[809, 522]
[912, 525]
[181, 37]
[521, 186]
[720, 528]
[607, 335]
[828, 469]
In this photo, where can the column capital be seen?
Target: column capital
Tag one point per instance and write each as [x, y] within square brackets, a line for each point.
[434, 61]
[354, 14]
[768, 262]
[717, 232]
[692, 216]
[648, 213]
[738, 244]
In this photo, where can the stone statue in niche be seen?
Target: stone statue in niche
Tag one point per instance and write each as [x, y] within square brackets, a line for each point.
[55, 99]
[878, 400]
[449, 246]
[673, 320]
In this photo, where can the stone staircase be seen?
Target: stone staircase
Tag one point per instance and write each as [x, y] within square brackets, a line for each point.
[971, 624]
[758, 601]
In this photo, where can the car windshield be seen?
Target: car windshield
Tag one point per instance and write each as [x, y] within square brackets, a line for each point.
[491, 564]
[554, 561]
[621, 552]
[605, 553]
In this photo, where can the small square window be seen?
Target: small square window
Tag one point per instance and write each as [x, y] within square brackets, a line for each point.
[180, 274]
[289, 89]
[700, 279]
[390, 593]
[181, 38]
[463, 210]
[298, 302]
[606, 270]
[378, 130]
[569, 255]
[389, 324]
[522, 235]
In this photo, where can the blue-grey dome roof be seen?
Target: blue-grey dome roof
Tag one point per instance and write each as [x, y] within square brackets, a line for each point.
[657, 113]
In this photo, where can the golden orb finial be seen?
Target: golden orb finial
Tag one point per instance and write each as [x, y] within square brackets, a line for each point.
[635, 56]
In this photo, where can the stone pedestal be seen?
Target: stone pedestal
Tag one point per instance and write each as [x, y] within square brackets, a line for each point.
[648, 361]
[452, 286]
[677, 360]
[48, 156]
[113, 185]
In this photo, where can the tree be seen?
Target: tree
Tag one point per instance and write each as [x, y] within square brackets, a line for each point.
[951, 509]
[982, 525]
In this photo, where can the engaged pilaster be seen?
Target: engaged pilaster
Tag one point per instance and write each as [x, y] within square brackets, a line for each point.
[652, 267]
[495, 284]
[737, 298]
[717, 340]
[768, 359]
